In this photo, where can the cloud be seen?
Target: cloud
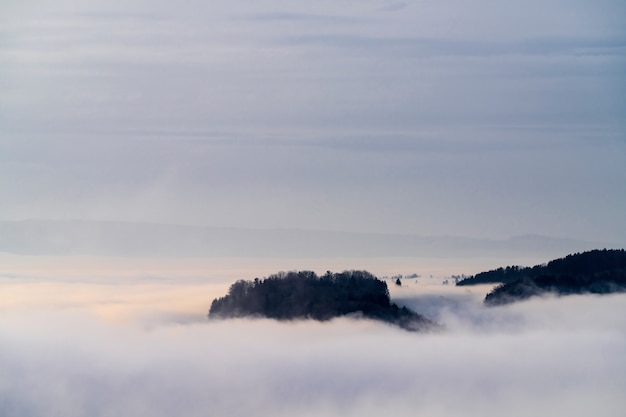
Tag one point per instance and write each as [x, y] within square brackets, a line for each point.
[432, 47]
[304, 18]
[437, 119]
[394, 6]
[558, 356]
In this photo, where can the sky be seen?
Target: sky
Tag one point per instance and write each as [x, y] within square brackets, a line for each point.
[480, 119]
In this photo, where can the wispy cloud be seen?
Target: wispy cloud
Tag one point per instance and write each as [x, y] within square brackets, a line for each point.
[482, 119]
[305, 17]
[433, 47]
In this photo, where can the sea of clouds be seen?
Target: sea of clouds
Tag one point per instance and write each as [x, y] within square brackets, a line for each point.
[65, 355]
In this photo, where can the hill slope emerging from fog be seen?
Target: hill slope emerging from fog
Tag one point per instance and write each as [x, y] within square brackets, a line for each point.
[588, 263]
[593, 272]
[304, 295]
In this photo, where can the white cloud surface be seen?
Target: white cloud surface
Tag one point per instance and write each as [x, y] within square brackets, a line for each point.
[555, 356]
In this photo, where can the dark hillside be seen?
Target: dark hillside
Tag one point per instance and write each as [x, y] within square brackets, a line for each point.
[594, 272]
[586, 263]
[508, 274]
[304, 295]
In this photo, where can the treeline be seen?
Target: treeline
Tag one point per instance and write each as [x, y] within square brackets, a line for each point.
[586, 263]
[594, 272]
[508, 274]
[304, 295]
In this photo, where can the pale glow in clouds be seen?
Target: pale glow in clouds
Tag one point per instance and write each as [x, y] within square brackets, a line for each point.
[176, 290]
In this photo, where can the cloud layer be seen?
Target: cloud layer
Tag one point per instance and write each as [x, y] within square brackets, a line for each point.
[557, 356]
[481, 120]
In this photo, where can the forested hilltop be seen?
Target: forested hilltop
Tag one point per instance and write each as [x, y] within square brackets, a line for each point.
[304, 295]
[586, 263]
[594, 272]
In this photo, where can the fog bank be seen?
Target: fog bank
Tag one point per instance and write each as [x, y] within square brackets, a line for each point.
[548, 356]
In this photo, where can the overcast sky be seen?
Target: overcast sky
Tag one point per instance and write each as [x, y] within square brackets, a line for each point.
[485, 118]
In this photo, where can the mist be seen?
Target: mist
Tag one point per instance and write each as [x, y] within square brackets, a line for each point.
[62, 355]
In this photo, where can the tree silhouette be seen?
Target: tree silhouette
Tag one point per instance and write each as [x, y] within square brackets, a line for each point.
[594, 272]
[304, 295]
[587, 263]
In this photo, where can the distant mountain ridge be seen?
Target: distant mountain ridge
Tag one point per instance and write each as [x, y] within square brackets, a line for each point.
[129, 239]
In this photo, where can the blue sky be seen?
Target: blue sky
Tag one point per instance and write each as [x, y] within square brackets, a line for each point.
[482, 119]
